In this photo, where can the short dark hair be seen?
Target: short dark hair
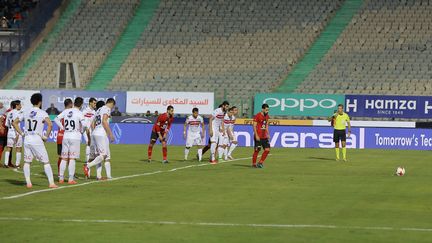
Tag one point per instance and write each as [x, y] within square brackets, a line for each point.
[67, 102]
[170, 107]
[13, 104]
[264, 106]
[225, 103]
[99, 104]
[111, 100]
[92, 99]
[36, 98]
[78, 101]
[340, 105]
[231, 108]
[194, 110]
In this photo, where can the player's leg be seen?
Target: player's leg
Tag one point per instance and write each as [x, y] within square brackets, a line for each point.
[18, 146]
[257, 148]
[336, 141]
[28, 158]
[189, 144]
[266, 146]
[213, 144]
[164, 152]
[221, 146]
[225, 146]
[107, 163]
[100, 143]
[231, 149]
[59, 151]
[10, 144]
[64, 159]
[3, 141]
[87, 151]
[41, 154]
[343, 140]
[153, 138]
[206, 146]
[74, 153]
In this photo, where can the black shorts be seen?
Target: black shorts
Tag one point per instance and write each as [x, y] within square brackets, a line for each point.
[59, 149]
[155, 136]
[339, 135]
[3, 141]
[262, 143]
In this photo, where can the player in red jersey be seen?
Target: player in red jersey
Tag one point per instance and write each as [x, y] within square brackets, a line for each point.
[67, 104]
[160, 131]
[261, 136]
[3, 134]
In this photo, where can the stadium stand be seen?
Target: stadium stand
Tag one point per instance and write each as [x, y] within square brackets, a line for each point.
[386, 49]
[85, 39]
[234, 48]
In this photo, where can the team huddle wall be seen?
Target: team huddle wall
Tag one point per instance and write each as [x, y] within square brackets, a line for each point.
[290, 136]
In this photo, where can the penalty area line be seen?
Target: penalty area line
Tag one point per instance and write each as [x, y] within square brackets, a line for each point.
[216, 224]
[116, 179]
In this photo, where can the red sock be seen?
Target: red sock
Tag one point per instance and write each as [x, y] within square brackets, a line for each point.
[149, 151]
[264, 155]
[164, 151]
[255, 156]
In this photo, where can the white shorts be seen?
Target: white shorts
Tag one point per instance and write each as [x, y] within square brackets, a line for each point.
[217, 136]
[71, 148]
[35, 151]
[194, 139]
[101, 146]
[225, 140]
[12, 142]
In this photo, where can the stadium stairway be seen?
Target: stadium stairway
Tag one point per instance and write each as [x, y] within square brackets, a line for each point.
[126, 43]
[320, 47]
[37, 53]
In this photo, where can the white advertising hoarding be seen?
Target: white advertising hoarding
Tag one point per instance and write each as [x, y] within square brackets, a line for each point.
[8, 95]
[183, 102]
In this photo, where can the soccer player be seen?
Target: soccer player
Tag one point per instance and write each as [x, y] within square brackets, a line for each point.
[261, 135]
[13, 139]
[160, 131]
[340, 119]
[93, 151]
[89, 113]
[234, 141]
[73, 121]
[101, 137]
[34, 120]
[217, 131]
[68, 103]
[195, 134]
[230, 142]
[3, 134]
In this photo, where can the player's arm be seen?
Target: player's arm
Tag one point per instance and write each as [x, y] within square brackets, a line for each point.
[211, 125]
[267, 130]
[15, 125]
[158, 130]
[184, 128]
[230, 133]
[223, 128]
[202, 129]
[254, 124]
[57, 121]
[49, 128]
[107, 128]
[168, 128]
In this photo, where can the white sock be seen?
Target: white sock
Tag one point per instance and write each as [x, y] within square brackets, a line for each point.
[49, 173]
[87, 153]
[96, 161]
[186, 153]
[71, 169]
[226, 153]
[7, 154]
[63, 165]
[18, 159]
[99, 171]
[26, 169]
[108, 169]
[212, 150]
[200, 154]
[231, 149]
[220, 152]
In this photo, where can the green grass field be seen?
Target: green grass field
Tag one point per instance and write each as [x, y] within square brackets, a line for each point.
[302, 195]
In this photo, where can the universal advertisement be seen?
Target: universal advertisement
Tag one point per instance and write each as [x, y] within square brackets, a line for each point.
[57, 97]
[298, 104]
[389, 106]
[183, 102]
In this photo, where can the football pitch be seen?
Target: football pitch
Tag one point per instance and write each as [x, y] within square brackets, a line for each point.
[302, 195]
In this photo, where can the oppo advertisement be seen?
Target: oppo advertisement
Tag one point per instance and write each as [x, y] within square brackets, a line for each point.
[290, 136]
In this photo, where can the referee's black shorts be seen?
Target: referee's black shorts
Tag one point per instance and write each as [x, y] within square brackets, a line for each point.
[339, 135]
[262, 143]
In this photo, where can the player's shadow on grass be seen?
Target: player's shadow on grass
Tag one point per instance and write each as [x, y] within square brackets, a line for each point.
[15, 182]
[321, 158]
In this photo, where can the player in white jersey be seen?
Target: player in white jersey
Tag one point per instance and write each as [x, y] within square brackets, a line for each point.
[34, 138]
[73, 126]
[195, 134]
[89, 113]
[100, 135]
[217, 130]
[230, 141]
[93, 151]
[13, 139]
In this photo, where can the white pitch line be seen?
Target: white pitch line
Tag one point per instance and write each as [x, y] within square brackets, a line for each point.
[116, 178]
[215, 224]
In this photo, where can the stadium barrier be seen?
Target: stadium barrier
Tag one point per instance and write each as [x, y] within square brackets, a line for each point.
[8, 95]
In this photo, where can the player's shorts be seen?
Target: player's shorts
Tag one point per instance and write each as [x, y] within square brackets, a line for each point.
[339, 135]
[35, 151]
[225, 140]
[217, 137]
[194, 139]
[59, 149]
[262, 143]
[71, 148]
[13, 142]
[101, 145]
[3, 141]
[155, 136]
